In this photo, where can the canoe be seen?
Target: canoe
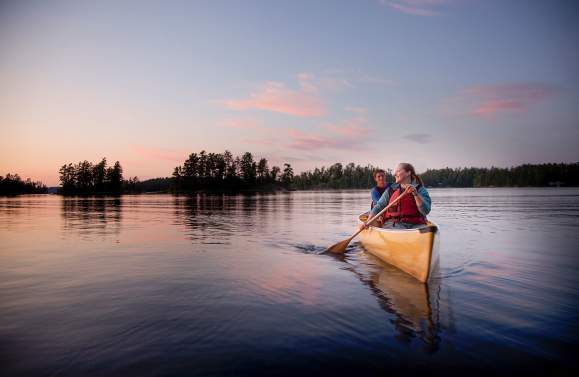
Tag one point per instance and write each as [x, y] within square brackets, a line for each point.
[414, 251]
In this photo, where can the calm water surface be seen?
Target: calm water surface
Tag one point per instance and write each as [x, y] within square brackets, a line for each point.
[238, 285]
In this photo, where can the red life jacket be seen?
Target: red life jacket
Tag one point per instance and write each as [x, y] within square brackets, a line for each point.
[405, 211]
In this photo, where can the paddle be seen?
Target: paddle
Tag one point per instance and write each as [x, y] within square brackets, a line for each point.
[341, 246]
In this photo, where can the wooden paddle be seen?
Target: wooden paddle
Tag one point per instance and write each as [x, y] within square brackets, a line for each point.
[341, 246]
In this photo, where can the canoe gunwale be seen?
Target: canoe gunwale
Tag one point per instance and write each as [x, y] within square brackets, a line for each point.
[429, 228]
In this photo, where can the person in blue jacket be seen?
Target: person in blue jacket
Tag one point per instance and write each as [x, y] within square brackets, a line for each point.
[381, 186]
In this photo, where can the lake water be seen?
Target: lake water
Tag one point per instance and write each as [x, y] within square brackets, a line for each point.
[238, 285]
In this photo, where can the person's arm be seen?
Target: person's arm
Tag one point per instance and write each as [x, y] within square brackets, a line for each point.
[421, 198]
[375, 194]
[381, 203]
[423, 201]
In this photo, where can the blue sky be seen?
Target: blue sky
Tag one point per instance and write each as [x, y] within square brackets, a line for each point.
[433, 82]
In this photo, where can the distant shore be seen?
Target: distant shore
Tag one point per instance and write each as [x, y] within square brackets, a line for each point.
[224, 173]
[261, 191]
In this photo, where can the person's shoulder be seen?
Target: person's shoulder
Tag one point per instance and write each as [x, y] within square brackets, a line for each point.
[422, 188]
[385, 189]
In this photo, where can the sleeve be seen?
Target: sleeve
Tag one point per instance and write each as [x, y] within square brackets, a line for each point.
[426, 201]
[375, 195]
[381, 203]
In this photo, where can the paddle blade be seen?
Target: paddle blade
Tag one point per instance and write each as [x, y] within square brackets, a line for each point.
[340, 247]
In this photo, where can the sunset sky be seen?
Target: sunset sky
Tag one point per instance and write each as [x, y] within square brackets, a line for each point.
[433, 82]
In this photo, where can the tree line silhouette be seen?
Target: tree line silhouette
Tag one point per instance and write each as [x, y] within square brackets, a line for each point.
[227, 173]
[337, 177]
[207, 171]
[223, 171]
[12, 184]
[527, 175]
[200, 172]
[88, 178]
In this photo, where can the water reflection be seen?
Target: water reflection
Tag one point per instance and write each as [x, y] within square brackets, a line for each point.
[88, 217]
[217, 219]
[261, 298]
[10, 210]
[205, 217]
[415, 305]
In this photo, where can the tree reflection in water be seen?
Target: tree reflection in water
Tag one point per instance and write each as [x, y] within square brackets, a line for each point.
[90, 217]
[218, 219]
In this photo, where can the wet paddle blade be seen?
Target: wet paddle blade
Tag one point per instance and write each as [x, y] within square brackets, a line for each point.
[340, 247]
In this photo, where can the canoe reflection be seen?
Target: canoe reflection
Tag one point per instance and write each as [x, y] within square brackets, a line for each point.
[415, 305]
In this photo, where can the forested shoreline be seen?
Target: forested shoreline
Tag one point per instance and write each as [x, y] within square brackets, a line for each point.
[12, 184]
[527, 175]
[223, 172]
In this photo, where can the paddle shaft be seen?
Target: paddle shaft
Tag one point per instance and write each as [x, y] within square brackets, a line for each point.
[380, 213]
[341, 246]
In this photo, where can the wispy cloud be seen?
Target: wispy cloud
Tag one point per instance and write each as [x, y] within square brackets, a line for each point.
[489, 101]
[277, 97]
[351, 134]
[308, 142]
[424, 8]
[302, 157]
[306, 100]
[350, 128]
[240, 123]
[334, 79]
[491, 107]
[261, 141]
[357, 109]
[419, 138]
[158, 153]
[375, 80]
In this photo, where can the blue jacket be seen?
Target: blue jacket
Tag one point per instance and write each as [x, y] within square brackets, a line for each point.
[383, 201]
[376, 194]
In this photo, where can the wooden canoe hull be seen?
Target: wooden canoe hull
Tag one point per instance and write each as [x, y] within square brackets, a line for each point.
[414, 251]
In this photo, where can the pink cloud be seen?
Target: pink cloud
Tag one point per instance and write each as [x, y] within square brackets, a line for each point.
[489, 101]
[490, 108]
[425, 8]
[303, 141]
[159, 154]
[243, 124]
[350, 134]
[263, 141]
[349, 128]
[276, 97]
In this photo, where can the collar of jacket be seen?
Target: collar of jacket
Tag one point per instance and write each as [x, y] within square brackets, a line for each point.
[396, 185]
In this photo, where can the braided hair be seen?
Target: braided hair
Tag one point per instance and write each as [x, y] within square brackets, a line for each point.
[408, 167]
